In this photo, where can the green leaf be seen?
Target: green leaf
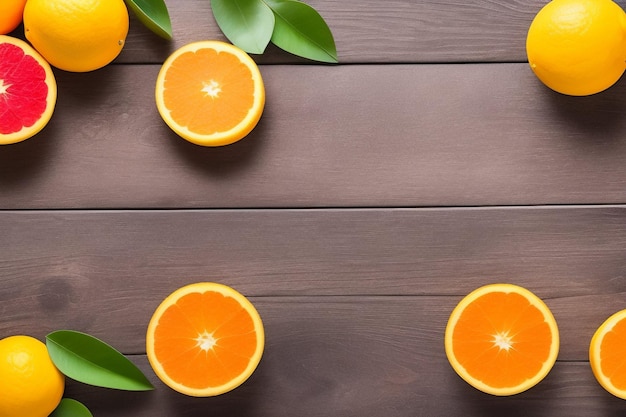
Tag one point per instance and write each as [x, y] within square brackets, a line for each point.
[89, 360]
[300, 30]
[248, 24]
[71, 408]
[154, 15]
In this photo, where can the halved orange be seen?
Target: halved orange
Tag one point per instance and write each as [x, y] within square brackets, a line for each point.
[210, 93]
[205, 339]
[502, 339]
[607, 354]
[28, 91]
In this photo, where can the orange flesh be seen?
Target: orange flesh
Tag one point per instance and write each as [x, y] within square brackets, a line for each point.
[502, 339]
[205, 340]
[612, 351]
[216, 104]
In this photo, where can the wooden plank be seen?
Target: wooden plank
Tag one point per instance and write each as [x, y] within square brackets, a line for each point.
[359, 356]
[395, 135]
[354, 300]
[559, 252]
[369, 31]
[374, 31]
[395, 388]
[105, 272]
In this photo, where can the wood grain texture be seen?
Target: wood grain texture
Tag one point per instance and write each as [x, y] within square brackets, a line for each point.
[397, 387]
[395, 135]
[105, 272]
[369, 31]
[358, 356]
[374, 31]
[370, 198]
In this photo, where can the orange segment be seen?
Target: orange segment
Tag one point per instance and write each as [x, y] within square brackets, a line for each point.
[205, 339]
[28, 91]
[210, 93]
[607, 354]
[502, 339]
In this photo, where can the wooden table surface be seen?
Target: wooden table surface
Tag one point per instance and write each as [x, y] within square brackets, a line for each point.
[370, 198]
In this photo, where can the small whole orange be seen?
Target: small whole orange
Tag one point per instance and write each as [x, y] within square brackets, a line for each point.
[77, 35]
[578, 47]
[11, 12]
[30, 384]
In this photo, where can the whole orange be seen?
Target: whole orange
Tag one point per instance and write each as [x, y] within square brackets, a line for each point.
[578, 47]
[11, 12]
[77, 35]
[30, 384]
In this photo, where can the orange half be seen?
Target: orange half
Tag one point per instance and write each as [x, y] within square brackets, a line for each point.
[205, 339]
[607, 354]
[502, 339]
[210, 93]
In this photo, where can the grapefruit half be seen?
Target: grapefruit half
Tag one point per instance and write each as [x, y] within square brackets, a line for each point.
[28, 91]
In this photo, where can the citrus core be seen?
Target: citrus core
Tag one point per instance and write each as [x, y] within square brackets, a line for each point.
[501, 339]
[607, 354]
[30, 383]
[205, 339]
[77, 35]
[578, 47]
[28, 91]
[210, 93]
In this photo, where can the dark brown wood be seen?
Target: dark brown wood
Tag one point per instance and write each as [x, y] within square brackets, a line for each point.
[359, 356]
[105, 272]
[368, 31]
[355, 386]
[440, 135]
[374, 31]
[371, 197]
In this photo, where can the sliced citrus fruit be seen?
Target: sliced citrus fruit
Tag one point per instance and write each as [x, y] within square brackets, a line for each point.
[607, 354]
[210, 93]
[502, 339]
[205, 339]
[28, 91]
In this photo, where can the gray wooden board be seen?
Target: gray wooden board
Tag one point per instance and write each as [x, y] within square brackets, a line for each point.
[353, 356]
[374, 31]
[104, 272]
[351, 385]
[370, 198]
[369, 31]
[395, 135]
